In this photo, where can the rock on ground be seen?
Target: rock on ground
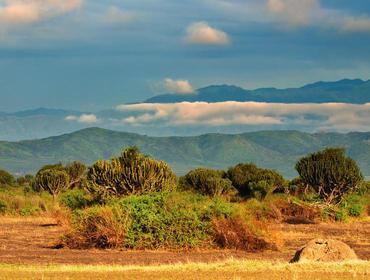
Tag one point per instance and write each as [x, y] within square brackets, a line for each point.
[325, 250]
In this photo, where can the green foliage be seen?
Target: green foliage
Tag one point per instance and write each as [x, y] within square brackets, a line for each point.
[355, 205]
[25, 180]
[208, 182]
[130, 173]
[30, 211]
[6, 179]
[341, 215]
[3, 207]
[53, 181]
[363, 188]
[252, 181]
[75, 199]
[330, 173]
[76, 171]
[158, 220]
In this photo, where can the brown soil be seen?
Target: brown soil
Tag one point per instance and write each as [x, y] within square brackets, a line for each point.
[30, 241]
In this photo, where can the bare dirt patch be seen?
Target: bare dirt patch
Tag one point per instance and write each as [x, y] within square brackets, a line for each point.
[30, 241]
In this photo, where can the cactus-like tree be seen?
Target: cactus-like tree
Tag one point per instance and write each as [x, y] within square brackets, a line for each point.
[330, 173]
[76, 171]
[6, 179]
[208, 182]
[252, 181]
[52, 180]
[130, 173]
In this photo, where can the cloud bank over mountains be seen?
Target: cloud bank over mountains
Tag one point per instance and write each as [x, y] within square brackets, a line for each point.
[327, 116]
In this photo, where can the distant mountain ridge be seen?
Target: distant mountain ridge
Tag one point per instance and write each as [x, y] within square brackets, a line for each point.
[43, 122]
[271, 149]
[344, 91]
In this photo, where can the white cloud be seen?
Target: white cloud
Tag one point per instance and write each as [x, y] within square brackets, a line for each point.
[84, 118]
[202, 33]
[115, 15]
[29, 11]
[295, 12]
[311, 12]
[327, 116]
[352, 24]
[178, 86]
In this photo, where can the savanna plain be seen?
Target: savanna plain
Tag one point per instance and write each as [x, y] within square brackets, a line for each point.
[133, 218]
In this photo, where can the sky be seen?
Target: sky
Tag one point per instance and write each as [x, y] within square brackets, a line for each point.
[90, 55]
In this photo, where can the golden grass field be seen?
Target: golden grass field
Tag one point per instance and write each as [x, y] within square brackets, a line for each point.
[229, 269]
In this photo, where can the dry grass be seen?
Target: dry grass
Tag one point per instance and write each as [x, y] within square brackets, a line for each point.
[230, 269]
[235, 234]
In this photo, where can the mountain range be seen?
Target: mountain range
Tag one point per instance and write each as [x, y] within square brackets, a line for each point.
[344, 91]
[270, 149]
[44, 122]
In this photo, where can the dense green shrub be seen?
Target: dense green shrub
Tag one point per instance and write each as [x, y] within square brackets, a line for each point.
[341, 215]
[330, 173]
[53, 181]
[208, 182]
[75, 199]
[130, 173]
[6, 179]
[355, 205]
[252, 181]
[159, 220]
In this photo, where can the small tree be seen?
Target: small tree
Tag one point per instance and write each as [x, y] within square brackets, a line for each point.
[208, 182]
[6, 178]
[330, 173]
[76, 171]
[130, 173]
[52, 181]
[252, 181]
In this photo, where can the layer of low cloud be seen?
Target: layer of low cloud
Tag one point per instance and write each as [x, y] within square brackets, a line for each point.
[202, 33]
[178, 86]
[328, 116]
[84, 118]
[15, 12]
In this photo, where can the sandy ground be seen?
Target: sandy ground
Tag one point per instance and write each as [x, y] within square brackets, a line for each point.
[30, 241]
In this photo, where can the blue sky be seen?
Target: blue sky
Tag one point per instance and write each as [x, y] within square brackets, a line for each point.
[96, 54]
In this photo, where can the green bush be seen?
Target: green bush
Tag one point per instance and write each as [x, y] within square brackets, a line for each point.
[341, 215]
[330, 173]
[159, 220]
[356, 210]
[131, 173]
[355, 205]
[30, 211]
[208, 182]
[252, 181]
[6, 179]
[75, 199]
